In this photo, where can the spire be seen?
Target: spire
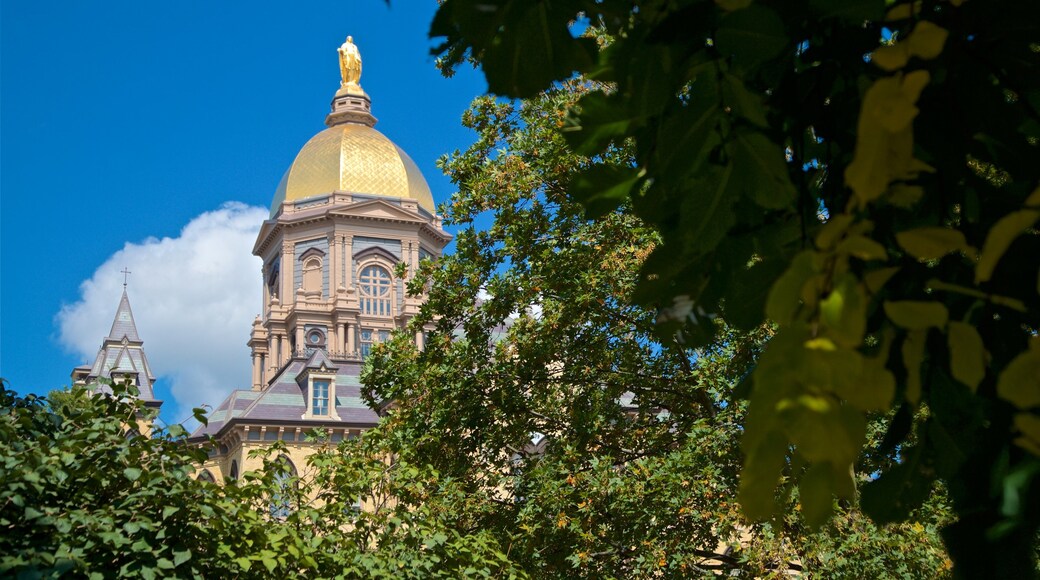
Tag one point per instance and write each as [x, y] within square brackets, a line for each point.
[350, 104]
[123, 325]
[122, 355]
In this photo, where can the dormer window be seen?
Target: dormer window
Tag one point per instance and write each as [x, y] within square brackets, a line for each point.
[320, 397]
[375, 282]
[320, 392]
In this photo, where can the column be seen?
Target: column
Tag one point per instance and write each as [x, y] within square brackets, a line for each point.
[256, 372]
[331, 264]
[415, 259]
[288, 292]
[277, 358]
[350, 337]
[271, 351]
[349, 239]
[286, 353]
[265, 299]
[300, 340]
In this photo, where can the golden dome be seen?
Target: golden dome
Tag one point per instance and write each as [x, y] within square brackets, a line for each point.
[355, 158]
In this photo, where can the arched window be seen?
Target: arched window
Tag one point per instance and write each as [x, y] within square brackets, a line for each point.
[206, 476]
[312, 275]
[285, 483]
[234, 470]
[375, 291]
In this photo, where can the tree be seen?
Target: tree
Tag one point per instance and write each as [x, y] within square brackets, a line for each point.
[546, 412]
[863, 174]
[84, 495]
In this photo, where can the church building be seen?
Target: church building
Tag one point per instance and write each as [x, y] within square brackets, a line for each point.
[351, 210]
[121, 358]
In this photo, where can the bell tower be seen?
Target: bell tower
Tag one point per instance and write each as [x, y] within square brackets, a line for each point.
[350, 222]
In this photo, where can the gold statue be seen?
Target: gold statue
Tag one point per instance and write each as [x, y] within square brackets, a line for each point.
[349, 62]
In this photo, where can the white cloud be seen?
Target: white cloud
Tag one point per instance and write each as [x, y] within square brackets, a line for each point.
[194, 298]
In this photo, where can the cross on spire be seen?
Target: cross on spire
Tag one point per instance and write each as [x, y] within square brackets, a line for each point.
[125, 274]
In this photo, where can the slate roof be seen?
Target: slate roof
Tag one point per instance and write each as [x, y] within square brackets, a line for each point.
[284, 399]
[123, 325]
[122, 352]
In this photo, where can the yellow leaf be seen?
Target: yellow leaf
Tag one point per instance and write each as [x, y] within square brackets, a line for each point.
[914, 83]
[876, 279]
[1029, 425]
[877, 386]
[905, 196]
[891, 57]
[1019, 383]
[833, 230]
[731, 5]
[783, 301]
[884, 141]
[903, 11]
[930, 243]
[844, 311]
[967, 354]
[915, 314]
[863, 248]
[913, 356]
[927, 39]
[999, 239]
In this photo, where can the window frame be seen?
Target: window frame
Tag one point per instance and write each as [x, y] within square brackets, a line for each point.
[309, 396]
[367, 300]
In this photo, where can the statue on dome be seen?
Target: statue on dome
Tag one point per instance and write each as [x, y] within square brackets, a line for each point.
[349, 62]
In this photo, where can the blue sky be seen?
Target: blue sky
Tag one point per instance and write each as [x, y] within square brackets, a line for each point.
[126, 130]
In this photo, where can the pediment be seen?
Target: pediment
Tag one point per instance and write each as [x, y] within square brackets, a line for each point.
[378, 209]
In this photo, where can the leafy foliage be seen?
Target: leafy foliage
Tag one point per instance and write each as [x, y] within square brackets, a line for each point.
[78, 496]
[552, 414]
[863, 174]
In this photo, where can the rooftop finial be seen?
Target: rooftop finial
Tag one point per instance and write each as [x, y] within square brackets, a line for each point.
[125, 274]
[349, 62]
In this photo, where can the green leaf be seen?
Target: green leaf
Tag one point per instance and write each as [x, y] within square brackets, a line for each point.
[896, 493]
[181, 557]
[933, 243]
[745, 103]
[752, 35]
[761, 166]
[603, 119]
[917, 315]
[760, 475]
[1019, 382]
[967, 354]
[814, 491]
[523, 46]
[602, 188]
[132, 473]
[913, 357]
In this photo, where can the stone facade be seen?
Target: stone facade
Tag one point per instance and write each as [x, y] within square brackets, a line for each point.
[351, 211]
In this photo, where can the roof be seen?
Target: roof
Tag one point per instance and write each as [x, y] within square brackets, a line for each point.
[284, 399]
[122, 353]
[355, 158]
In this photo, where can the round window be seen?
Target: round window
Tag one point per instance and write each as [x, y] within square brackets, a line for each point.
[315, 337]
